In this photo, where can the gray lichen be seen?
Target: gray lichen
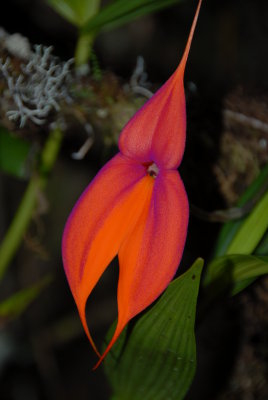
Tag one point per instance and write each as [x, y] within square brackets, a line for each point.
[39, 87]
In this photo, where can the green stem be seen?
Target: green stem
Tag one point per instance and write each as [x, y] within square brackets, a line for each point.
[27, 206]
[85, 40]
[83, 49]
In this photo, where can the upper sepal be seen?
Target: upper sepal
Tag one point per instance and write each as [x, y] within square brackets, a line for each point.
[157, 131]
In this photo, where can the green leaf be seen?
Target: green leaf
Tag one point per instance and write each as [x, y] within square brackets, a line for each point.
[75, 11]
[120, 12]
[262, 248]
[157, 360]
[16, 304]
[232, 273]
[230, 229]
[14, 154]
[251, 230]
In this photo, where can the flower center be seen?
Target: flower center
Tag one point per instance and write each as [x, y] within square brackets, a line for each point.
[151, 169]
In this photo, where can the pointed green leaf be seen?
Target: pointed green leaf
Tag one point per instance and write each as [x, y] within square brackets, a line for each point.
[75, 11]
[232, 273]
[14, 305]
[157, 360]
[14, 154]
[252, 230]
[230, 229]
[120, 12]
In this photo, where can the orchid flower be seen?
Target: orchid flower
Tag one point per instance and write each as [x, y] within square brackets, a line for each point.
[136, 207]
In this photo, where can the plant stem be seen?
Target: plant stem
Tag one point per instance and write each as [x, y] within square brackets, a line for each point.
[27, 206]
[85, 40]
[83, 49]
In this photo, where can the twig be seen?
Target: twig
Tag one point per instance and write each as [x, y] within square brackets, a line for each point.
[230, 214]
[246, 120]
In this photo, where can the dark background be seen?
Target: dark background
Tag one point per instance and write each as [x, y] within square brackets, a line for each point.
[44, 354]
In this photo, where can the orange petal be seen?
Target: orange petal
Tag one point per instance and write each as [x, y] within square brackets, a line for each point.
[101, 219]
[151, 253]
[157, 131]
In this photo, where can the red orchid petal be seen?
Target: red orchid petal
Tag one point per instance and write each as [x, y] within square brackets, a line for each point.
[105, 213]
[151, 253]
[157, 131]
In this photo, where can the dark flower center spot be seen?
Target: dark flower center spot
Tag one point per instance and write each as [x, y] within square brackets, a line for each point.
[151, 169]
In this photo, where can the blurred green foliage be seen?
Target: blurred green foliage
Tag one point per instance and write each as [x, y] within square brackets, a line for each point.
[14, 154]
[90, 18]
[120, 12]
[78, 12]
[232, 235]
[233, 273]
[17, 303]
[233, 267]
[88, 15]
